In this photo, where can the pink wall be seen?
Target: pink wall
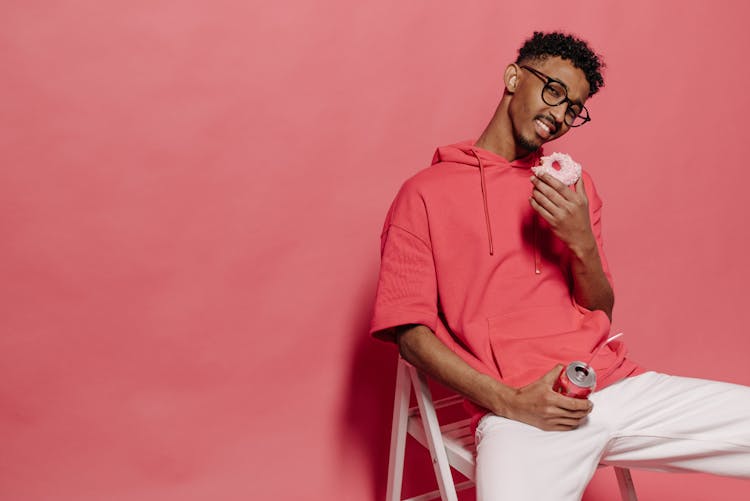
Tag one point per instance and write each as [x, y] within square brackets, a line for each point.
[191, 198]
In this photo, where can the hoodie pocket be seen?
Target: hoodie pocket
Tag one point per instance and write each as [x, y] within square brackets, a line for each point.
[527, 343]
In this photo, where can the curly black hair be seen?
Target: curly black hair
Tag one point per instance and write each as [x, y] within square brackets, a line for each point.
[544, 45]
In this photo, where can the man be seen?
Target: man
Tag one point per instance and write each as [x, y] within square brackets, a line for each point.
[493, 278]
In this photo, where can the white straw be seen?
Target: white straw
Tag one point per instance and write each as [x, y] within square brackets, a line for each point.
[605, 343]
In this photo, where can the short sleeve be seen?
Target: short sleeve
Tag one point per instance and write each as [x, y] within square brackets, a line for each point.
[407, 284]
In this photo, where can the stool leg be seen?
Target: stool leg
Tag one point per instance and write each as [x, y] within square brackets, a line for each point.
[398, 433]
[625, 481]
[434, 436]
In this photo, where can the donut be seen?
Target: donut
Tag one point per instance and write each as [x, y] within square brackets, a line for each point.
[561, 167]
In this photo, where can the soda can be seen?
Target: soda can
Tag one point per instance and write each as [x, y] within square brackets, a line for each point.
[577, 380]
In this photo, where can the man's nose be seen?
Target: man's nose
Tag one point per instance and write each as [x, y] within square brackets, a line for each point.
[558, 112]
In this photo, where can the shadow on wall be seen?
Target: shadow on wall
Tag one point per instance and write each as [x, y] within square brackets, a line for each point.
[366, 417]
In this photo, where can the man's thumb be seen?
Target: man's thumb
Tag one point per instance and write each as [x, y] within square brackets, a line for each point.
[552, 375]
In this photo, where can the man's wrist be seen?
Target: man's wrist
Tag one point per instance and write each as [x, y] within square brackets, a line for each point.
[585, 250]
[503, 399]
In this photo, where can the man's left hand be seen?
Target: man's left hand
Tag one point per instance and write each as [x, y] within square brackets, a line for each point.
[566, 210]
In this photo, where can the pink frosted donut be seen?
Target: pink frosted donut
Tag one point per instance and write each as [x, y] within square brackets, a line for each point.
[561, 167]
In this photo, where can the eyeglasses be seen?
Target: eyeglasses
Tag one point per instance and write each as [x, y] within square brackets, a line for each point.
[555, 93]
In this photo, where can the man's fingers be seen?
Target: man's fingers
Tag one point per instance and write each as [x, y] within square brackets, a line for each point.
[576, 413]
[555, 192]
[545, 202]
[552, 374]
[555, 410]
[568, 422]
[561, 424]
[551, 181]
[574, 404]
[541, 210]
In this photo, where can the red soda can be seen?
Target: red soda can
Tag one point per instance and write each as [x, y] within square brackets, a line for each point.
[577, 380]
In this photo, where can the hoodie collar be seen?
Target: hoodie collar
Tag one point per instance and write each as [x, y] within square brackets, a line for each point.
[467, 153]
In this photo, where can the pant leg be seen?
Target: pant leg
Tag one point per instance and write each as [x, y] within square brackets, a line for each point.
[652, 421]
[671, 423]
[519, 462]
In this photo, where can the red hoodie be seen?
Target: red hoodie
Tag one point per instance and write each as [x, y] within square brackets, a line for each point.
[464, 254]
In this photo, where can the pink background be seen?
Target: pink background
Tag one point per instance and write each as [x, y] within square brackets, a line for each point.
[192, 194]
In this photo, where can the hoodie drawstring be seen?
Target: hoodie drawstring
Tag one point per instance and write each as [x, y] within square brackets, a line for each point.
[484, 201]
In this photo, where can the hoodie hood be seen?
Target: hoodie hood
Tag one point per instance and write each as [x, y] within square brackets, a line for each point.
[466, 153]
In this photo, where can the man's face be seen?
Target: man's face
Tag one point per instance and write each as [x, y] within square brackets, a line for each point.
[534, 121]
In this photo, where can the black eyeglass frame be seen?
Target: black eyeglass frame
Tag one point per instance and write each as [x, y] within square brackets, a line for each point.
[547, 81]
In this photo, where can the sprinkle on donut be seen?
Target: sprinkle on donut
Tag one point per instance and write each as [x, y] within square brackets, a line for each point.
[561, 167]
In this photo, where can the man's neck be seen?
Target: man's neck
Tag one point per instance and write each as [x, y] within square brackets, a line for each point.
[498, 137]
[496, 144]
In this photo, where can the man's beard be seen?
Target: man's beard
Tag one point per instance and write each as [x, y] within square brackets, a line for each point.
[526, 144]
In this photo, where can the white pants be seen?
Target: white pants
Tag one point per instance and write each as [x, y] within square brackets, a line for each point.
[652, 421]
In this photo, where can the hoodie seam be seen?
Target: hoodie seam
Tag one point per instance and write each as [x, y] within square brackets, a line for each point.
[393, 225]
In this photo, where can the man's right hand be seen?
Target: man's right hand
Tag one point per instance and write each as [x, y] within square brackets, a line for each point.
[538, 405]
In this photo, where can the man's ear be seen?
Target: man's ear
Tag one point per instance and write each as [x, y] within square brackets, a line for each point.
[511, 77]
